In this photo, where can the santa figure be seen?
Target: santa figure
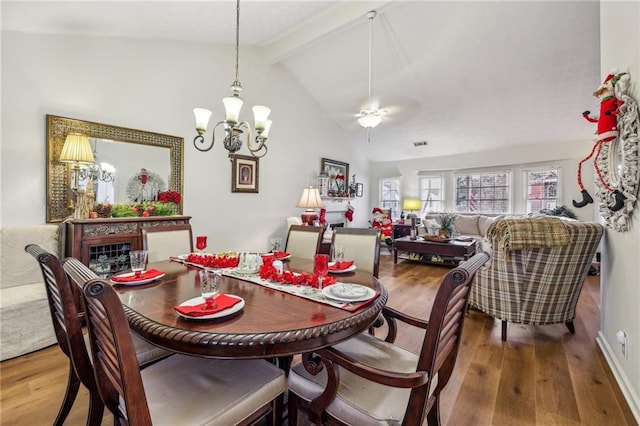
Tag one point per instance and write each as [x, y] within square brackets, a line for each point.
[381, 220]
[607, 131]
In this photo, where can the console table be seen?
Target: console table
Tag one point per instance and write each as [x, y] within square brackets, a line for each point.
[104, 244]
[446, 251]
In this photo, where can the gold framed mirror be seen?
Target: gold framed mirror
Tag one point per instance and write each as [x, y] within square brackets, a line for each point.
[59, 177]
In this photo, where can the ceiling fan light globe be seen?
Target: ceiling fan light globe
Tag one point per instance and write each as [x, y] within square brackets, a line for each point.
[369, 120]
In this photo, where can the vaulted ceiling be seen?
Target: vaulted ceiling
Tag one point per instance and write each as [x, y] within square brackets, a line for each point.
[462, 76]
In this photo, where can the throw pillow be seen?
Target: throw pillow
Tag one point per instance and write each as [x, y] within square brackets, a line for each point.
[467, 225]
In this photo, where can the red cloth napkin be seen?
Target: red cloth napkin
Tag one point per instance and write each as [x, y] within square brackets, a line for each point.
[346, 264]
[281, 254]
[222, 302]
[146, 275]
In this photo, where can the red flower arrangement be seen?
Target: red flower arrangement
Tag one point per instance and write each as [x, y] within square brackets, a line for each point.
[268, 272]
[169, 197]
[213, 261]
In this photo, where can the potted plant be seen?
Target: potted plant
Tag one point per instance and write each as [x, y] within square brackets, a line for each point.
[447, 224]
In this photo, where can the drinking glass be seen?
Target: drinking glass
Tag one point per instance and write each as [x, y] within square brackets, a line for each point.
[275, 244]
[321, 267]
[338, 254]
[201, 243]
[209, 287]
[138, 260]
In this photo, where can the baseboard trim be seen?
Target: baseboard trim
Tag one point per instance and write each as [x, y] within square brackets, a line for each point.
[620, 376]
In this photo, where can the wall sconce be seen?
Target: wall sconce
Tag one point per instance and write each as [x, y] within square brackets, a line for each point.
[310, 200]
[76, 151]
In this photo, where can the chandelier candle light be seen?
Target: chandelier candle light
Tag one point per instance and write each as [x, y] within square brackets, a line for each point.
[233, 128]
[310, 200]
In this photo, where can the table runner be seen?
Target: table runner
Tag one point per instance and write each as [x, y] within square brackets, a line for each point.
[301, 291]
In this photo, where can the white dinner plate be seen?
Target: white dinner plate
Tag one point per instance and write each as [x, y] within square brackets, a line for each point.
[342, 271]
[198, 300]
[346, 292]
[184, 256]
[137, 282]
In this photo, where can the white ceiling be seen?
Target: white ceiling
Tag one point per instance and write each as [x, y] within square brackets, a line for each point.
[464, 76]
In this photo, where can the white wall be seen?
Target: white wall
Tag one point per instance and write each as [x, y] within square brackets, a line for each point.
[153, 86]
[620, 48]
[566, 156]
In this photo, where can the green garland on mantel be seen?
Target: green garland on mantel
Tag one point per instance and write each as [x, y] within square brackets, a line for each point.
[135, 209]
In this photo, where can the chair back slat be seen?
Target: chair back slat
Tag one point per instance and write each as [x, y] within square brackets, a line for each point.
[65, 313]
[116, 366]
[442, 337]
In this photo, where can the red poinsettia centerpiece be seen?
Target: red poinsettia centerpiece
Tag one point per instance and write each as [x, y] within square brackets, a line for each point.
[169, 197]
[269, 273]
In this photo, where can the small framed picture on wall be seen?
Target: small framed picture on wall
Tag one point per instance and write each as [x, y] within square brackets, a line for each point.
[359, 190]
[244, 174]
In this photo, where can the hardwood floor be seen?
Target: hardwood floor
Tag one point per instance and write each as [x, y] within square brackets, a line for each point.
[542, 375]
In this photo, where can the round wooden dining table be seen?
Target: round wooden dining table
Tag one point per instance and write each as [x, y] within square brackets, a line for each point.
[271, 324]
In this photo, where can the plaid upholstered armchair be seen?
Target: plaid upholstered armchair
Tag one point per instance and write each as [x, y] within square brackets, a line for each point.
[537, 269]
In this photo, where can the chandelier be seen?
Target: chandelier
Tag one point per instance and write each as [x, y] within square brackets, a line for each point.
[94, 171]
[236, 132]
[371, 116]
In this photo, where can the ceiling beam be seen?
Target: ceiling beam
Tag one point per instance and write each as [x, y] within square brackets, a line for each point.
[340, 16]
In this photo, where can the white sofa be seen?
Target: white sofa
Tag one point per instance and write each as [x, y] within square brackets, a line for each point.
[467, 225]
[25, 319]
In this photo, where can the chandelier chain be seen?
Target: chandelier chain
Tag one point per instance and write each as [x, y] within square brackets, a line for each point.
[237, 36]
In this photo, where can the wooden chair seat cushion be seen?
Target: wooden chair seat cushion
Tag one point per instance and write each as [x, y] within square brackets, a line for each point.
[178, 388]
[369, 403]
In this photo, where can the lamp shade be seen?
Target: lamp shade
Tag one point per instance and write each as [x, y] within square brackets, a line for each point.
[202, 119]
[411, 204]
[310, 199]
[76, 149]
[260, 115]
[232, 105]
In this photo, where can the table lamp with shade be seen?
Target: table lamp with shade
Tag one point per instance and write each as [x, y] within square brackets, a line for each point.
[76, 151]
[310, 200]
[411, 204]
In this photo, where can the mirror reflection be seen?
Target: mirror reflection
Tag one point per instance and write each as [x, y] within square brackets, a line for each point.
[126, 173]
[127, 165]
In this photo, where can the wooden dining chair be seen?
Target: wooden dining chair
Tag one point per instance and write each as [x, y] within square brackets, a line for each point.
[162, 242]
[367, 380]
[362, 245]
[67, 317]
[180, 390]
[303, 242]
[79, 273]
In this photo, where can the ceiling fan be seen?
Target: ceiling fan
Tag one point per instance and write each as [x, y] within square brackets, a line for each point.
[370, 115]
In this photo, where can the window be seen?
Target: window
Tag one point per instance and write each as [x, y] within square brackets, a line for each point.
[483, 192]
[542, 189]
[390, 195]
[431, 193]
